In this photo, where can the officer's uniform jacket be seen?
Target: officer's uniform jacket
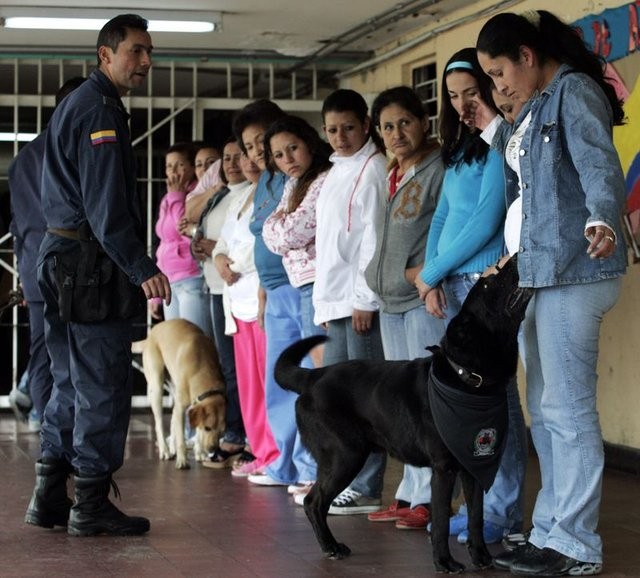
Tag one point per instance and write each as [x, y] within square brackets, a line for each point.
[90, 175]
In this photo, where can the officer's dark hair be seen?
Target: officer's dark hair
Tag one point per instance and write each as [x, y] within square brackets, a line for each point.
[184, 148]
[347, 100]
[115, 31]
[68, 87]
[551, 39]
[262, 112]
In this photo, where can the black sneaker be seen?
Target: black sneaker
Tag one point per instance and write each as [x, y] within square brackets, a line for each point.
[552, 563]
[351, 502]
[506, 560]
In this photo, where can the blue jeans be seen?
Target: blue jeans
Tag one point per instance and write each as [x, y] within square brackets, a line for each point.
[234, 429]
[405, 336]
[283, 326]
[190, 301]
[561, 333]
[344, 344]
[307, 312]
[503, 503]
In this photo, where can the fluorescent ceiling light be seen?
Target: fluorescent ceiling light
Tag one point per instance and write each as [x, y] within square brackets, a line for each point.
[95, 19]
[20, 137]
[181, 26]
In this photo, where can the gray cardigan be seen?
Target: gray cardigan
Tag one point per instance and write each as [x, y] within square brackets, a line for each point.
[402, 226]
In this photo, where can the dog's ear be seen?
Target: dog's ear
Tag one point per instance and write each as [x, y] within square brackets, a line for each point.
[196, 415]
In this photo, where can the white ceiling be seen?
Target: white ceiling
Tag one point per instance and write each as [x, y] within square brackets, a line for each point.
[279, 27]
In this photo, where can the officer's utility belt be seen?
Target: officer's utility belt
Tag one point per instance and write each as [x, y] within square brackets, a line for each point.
[66, 233]
[91, 287]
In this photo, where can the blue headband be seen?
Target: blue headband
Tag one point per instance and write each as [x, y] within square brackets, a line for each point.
[458, 64]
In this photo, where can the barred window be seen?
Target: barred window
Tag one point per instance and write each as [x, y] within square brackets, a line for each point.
[425, 83]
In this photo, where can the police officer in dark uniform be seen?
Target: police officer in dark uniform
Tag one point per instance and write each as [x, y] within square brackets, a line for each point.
[28, 227]
[94, 237]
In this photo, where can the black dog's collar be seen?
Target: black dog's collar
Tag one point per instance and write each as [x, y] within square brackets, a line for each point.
[209, 393]
[469, 378]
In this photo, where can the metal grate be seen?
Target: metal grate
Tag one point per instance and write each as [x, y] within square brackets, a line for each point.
[425, 83]
[182, 99]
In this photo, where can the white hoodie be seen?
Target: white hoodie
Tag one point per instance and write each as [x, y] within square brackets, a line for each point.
[345, 236]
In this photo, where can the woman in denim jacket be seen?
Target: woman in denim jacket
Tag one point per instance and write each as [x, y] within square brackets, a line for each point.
[565, 191]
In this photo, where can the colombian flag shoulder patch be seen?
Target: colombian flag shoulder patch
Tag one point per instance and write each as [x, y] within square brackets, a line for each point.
[103, 136]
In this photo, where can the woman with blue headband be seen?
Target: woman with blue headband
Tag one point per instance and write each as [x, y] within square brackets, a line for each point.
[465, 237]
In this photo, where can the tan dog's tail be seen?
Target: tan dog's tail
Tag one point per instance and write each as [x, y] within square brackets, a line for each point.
[138, 346]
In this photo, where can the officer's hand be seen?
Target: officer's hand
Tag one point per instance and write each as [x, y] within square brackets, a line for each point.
[157, 286]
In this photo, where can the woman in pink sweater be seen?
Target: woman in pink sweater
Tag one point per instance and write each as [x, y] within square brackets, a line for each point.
[174, 258]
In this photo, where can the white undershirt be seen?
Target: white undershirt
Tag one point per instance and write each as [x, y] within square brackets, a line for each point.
[513, 222]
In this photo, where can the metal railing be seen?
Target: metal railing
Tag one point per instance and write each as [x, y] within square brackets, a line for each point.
[178, 96]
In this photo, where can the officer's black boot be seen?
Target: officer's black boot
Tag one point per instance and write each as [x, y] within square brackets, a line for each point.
[50, 505]
[93, 513]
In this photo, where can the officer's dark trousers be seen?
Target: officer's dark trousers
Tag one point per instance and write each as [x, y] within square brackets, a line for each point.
[87, 416]
[40, 380]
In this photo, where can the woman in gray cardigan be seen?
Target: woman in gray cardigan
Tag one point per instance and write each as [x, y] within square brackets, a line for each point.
[413, 189]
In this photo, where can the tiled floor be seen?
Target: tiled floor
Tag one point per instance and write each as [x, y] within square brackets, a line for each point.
[204, 523]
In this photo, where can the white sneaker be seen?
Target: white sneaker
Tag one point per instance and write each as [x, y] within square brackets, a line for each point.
[264, 480]
[299, 499]
[352, 502]
[300, 487]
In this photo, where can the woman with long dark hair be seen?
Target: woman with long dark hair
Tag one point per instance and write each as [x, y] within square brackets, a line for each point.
[294, 147]
[566, 192]
[465, 237]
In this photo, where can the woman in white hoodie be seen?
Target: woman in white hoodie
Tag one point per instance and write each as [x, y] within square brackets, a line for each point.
[345, 241]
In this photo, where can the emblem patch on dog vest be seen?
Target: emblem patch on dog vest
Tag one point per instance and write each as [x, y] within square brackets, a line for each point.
[485, 442]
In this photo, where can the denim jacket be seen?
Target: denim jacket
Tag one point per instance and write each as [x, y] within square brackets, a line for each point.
[571, 176]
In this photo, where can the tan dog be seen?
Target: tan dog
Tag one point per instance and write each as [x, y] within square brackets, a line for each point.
[191, 359]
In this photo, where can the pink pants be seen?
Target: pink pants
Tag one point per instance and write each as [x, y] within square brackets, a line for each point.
[249, 346]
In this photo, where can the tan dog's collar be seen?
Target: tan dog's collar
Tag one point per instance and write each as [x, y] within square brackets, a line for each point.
[209, 393]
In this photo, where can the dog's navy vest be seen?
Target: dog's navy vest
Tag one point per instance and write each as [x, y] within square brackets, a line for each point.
[473, 427]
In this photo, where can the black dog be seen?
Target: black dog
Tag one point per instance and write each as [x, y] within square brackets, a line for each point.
[347, 410]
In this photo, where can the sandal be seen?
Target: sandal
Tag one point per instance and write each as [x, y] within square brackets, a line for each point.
[220, 458]
[246, 457]
[243, 461]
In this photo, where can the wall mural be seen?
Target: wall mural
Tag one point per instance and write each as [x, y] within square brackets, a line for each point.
[615, 34]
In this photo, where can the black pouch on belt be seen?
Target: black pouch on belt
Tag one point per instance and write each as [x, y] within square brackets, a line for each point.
[91, 287]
